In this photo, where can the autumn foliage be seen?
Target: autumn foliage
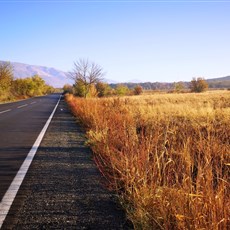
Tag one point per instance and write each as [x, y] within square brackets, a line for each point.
[11, 89]
[198, 85]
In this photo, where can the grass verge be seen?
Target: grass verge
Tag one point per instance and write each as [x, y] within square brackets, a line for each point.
[167, 156]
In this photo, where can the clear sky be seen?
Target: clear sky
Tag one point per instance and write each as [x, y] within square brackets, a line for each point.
[163, 41]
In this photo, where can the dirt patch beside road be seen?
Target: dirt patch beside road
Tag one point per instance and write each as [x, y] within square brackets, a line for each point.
[63, 188]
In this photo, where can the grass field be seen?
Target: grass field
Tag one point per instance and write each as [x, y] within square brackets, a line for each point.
[166, 155]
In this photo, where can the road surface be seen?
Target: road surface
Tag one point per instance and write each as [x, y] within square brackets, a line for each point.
[63, 189]
[20, 124]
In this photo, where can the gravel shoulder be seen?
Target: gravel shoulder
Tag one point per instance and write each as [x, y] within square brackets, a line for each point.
[63, 188]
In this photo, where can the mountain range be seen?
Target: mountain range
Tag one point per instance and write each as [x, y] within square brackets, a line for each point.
[52, 76]
[58, 78]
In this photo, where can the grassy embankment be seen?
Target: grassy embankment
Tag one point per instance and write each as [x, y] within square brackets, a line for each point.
[167, 156]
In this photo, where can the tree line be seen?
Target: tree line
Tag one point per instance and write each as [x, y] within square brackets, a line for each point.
[11, 89]
[88, 82]
[101, 89]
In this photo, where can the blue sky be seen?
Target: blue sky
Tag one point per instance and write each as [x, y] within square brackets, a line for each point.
[163, 41]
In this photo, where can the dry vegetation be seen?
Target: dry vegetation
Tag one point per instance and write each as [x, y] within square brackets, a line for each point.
[167, 156]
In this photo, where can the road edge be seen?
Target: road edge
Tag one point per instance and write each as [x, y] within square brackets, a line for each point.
[12, 191]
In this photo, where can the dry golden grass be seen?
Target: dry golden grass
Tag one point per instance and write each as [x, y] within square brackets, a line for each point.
[166, 155]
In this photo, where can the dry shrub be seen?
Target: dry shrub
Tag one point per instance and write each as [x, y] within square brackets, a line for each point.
[167, 156]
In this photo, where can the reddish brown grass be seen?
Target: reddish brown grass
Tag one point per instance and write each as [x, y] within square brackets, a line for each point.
[167, 156]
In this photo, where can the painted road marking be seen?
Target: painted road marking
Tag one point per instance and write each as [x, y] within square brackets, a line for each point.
[5, 111]
[22, 106]
[11, 193]
[33, 102]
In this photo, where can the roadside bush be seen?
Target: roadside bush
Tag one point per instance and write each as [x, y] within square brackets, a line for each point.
[103, 89]
[31, 86]
[122, 90]
[67, 88]
[11, 89]
[6, 79]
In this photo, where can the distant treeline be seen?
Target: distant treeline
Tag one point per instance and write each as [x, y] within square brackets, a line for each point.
[219, 84]
[148, 85]
[12, 89]
[171, 86]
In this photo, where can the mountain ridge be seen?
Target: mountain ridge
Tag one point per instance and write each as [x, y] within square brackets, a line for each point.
[58, 78]
[52, 76]
[227, 78]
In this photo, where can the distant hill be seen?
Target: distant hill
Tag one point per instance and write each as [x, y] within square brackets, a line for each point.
[221, 82]
[220, 79]
[52, 76]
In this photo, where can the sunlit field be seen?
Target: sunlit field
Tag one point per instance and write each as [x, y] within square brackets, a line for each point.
[166, 155]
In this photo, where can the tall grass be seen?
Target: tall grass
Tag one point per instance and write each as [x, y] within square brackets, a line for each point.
[167, 156]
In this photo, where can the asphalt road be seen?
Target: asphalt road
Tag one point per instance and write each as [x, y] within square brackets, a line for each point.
[20, 124]
[63, 188]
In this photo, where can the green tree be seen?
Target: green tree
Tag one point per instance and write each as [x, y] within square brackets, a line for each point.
[20, 87]
[121, 90]
[67, 88]
[31, 86]
[39, 85]
[6, 78]
[198, 85]
[103, 89]
[80, 88]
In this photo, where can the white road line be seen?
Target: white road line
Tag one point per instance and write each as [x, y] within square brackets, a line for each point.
[22, 106]
[8, 110]
[33, 102]
[11, 193]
